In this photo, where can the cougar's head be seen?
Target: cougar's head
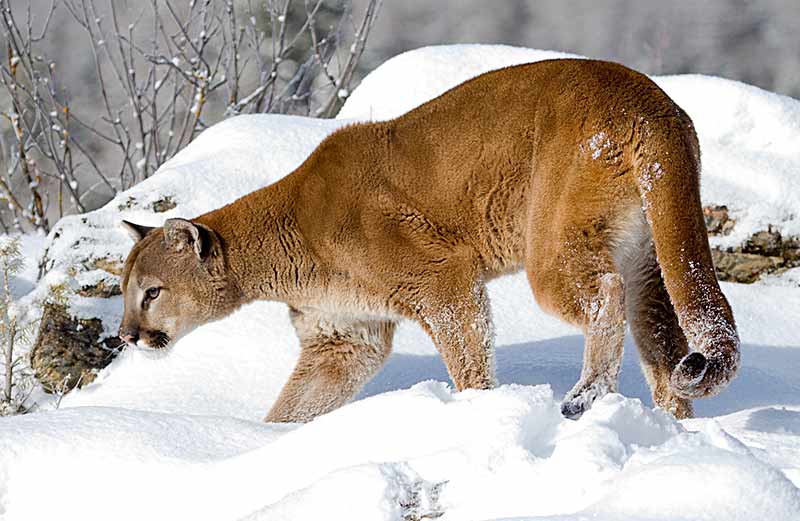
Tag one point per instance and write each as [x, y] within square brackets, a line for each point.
[174, 280]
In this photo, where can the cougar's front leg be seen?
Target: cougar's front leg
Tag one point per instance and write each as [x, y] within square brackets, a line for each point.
[456, 315]
[337, 358]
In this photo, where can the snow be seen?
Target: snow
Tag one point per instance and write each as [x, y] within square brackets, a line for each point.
[22, 282]
[180, 436]
[471, 455]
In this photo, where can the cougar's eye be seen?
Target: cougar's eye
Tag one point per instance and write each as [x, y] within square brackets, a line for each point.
[152, 293]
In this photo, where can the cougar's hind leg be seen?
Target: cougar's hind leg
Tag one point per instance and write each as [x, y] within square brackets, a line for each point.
[604, 334]
[574, 218]
[573, 276]
[583, 289]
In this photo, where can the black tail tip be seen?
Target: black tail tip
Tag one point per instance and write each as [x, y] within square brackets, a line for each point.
[688, 376]
[697, 375]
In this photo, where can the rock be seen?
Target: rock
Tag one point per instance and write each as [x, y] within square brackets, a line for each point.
[163, 205]
[768, 243]
[103, 288]
[791, 251]
[69, 351]
[763, 253]
[717, 220]
[109, 265]
[743, 267]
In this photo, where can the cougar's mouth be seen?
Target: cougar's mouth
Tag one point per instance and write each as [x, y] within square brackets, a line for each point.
[156, 340]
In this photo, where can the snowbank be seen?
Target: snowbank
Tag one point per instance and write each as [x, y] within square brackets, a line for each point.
[401, 455]
[178, 436]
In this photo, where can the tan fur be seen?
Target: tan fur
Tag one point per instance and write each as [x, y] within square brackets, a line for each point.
[602, 355]
[582, 172]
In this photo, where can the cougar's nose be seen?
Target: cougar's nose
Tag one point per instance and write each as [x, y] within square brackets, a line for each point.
[129, 336]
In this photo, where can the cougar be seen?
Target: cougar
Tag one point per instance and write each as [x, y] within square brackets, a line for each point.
[583, 173]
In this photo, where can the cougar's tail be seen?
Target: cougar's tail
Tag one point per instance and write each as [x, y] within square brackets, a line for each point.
[667, 169]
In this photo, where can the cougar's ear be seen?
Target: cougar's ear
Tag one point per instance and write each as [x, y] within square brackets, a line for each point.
[181, 234]
[136, 231]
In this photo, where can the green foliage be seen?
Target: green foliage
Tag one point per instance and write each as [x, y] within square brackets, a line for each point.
[17, 378]
[57, 294]
[18, 330]
[11, 261]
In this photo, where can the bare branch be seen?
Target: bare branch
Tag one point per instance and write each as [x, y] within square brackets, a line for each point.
[161, 72]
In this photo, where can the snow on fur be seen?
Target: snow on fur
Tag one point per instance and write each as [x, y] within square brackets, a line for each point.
[179, 436]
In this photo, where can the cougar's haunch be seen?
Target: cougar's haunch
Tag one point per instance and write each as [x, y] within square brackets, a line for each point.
[584, 173]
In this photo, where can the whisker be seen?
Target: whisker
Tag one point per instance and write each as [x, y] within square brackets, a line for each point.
[160, 339]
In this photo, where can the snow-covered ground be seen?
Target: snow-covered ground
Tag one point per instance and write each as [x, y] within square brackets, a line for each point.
[180, 437]
[424, 450]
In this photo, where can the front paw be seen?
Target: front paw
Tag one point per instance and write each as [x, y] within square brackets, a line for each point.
[582, 396]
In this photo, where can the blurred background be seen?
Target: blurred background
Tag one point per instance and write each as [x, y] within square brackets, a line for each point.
[752, 41]
[97, 94]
